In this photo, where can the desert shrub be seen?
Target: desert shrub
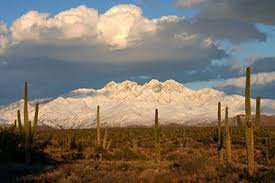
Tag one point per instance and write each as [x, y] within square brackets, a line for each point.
[124, 154]
[266, 175]
[190, 165]
[225, 170]
[11, 145]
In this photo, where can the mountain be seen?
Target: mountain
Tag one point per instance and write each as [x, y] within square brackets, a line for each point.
[130, 104]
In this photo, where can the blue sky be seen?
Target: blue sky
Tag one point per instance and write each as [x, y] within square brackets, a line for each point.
[210, 45]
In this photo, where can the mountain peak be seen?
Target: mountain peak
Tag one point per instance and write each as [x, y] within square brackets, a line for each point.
[127, 84]
[110, 85]
[154, 84]
[172, 84]
[128, 103]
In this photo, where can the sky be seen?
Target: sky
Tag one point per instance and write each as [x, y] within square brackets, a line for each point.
[63, 45]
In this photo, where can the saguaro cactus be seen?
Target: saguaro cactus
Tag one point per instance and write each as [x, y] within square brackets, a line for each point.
[258, 112]
[266, 150]
[227, 137]
[14, 125]
[157, 137]
[101, 146]
[28, 130]
[249, 127]
[35, 120]
[241, 125]
[27, 126]
[20, 127]
[98, 139]
[220, 135]
[26, 113]
[135, 145]
[106, 145]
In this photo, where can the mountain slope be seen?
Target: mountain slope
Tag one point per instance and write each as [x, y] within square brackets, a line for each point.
[128, 104]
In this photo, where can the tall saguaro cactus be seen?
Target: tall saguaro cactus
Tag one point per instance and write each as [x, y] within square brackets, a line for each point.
[26, 113]
[20, 127]
[157, 137]
[240, 125]
[101, 146]
[227, 138]
[27, 125]
[98, 139]
[258, 112]
[35, 120]
[249, 127]
[27, 129]
[220, 135]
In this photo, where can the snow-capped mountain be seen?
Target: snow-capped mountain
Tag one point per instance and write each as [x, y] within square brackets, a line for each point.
[131, 104]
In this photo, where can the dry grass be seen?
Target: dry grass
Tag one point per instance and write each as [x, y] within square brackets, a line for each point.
[187, 155]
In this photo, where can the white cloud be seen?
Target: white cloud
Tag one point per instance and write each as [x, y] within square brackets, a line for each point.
[121, 34]
[75, 23]
[263, 78]
[119, 27]
[123, 26]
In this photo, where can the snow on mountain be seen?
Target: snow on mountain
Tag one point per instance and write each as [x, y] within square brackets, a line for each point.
[129, 104]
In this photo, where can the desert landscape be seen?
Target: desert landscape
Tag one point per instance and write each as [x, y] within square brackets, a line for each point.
[142, 91]
[240, 148]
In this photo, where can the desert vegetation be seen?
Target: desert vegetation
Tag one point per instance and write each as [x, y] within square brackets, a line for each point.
[236, 149]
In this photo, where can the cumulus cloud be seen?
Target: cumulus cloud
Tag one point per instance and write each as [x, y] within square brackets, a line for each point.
[75, 23]
[124, 25]
[120, 34]
[119, 27]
